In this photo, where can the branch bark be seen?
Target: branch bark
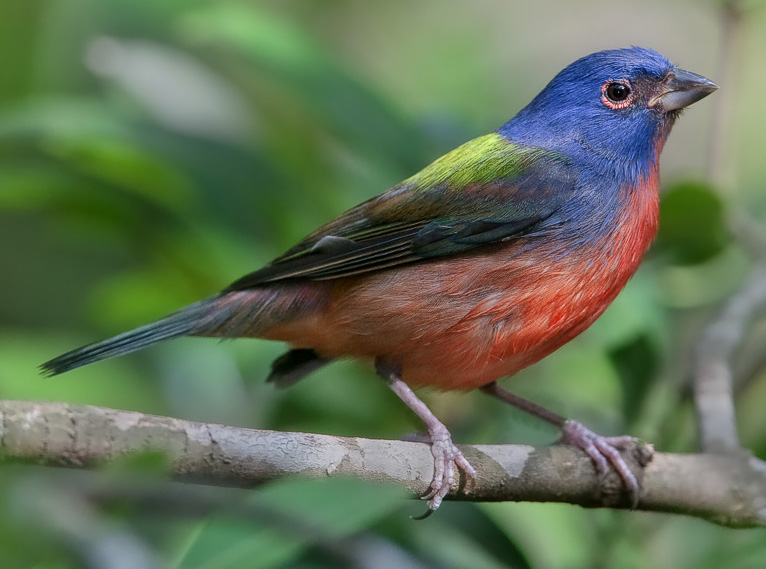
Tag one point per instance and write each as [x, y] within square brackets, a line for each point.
[728, 489]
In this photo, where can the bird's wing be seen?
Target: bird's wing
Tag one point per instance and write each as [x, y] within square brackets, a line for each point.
[485, 191]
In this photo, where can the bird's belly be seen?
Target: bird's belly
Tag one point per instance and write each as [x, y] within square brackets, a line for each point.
[464, 322]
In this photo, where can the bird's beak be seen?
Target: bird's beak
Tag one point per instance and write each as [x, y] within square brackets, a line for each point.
[680, 89]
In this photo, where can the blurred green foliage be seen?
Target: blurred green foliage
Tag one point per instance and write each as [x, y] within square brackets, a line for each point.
[693, 226]
[153, 151]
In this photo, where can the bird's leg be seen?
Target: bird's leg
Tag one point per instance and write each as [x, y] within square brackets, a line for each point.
[447, 457]
[602, 450]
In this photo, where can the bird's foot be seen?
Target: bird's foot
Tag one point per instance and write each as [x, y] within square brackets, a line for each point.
[605, 451]
[447, 460]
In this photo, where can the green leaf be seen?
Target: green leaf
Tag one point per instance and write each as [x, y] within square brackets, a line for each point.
[636, 362]
[692, 225]
[296, 514]
[534, 527]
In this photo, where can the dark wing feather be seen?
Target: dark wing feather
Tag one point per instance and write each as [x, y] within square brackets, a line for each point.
[318, 264]
[412, 223]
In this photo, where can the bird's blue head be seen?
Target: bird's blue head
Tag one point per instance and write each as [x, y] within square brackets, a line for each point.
[611, 107]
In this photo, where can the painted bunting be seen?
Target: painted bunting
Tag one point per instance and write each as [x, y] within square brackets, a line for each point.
[478, 266]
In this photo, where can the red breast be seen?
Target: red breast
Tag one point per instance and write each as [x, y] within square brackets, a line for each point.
[463, 322]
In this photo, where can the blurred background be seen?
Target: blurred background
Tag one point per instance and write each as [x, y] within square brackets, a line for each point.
[153, 151]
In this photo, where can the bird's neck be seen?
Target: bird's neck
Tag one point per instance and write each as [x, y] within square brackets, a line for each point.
[624, 161]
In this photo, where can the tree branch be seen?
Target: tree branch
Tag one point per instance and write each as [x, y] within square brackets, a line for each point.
[713, 384]
[727, 489]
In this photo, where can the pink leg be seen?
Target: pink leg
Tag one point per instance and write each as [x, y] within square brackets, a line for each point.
[447, 457]
[603, 451]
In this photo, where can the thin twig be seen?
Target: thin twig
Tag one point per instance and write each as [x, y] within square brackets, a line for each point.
[720, 132]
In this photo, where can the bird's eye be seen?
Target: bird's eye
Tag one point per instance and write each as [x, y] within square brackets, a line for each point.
[616, 94]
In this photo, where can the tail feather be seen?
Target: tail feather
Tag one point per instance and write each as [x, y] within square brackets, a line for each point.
[182, 323]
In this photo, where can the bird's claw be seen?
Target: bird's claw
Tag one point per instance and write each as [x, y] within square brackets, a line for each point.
[604, 451]
[447, 458]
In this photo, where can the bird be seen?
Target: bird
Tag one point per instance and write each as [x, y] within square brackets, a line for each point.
[483, 263]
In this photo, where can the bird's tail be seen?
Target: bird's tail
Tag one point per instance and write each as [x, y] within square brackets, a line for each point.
[181, 323]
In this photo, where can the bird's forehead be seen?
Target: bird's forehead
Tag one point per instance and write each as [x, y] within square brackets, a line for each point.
[622, 63]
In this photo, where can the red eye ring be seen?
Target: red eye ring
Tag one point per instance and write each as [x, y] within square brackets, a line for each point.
[617, 94]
